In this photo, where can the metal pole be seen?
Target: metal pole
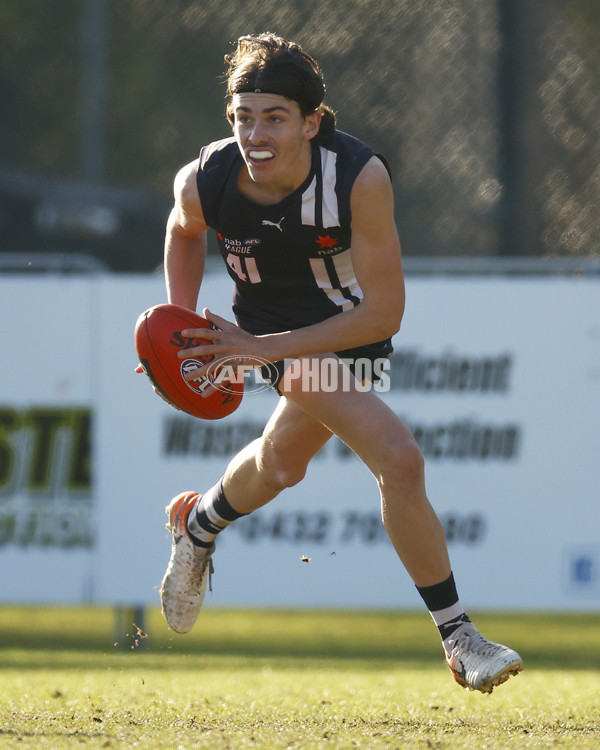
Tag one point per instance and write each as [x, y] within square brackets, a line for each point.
[511, 111]
[94, 38]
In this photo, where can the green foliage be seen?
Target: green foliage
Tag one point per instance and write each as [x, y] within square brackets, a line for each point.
[272, 680]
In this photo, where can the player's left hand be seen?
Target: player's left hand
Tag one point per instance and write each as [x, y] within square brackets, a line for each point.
[227, 340]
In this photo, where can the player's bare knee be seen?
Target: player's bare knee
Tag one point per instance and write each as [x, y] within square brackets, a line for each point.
[282, 469]
[402, 466]
[287, 475]
[291, 475]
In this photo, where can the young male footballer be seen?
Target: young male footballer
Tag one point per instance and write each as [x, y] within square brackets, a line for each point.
[304, 219]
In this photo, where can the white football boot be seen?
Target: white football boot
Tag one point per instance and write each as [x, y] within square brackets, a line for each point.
[479, 664]
[189, 570]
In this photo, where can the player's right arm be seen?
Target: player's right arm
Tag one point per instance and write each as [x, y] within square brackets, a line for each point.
[185, 241]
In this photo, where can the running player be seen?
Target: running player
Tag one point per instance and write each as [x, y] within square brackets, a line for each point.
[304, 219]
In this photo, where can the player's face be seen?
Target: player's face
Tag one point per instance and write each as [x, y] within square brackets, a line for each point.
[274, 138]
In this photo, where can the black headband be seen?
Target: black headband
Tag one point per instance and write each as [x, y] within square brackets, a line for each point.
[284, 80]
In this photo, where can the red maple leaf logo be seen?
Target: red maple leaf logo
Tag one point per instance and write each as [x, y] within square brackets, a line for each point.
[326, 241]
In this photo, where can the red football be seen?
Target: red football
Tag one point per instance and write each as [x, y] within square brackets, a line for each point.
[158, 339]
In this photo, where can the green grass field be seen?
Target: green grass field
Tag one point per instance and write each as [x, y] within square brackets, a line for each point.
[297, 680]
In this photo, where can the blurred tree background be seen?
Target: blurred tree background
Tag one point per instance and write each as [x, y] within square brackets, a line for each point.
[487, 110]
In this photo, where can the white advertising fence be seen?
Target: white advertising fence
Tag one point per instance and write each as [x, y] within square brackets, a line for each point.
[499, 379]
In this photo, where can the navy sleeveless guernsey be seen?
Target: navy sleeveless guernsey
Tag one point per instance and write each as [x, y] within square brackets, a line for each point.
[290, 261]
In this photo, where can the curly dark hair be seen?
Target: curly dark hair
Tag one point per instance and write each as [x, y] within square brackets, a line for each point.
[269, 64]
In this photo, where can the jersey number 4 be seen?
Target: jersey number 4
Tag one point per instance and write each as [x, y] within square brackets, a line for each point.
[244, 268]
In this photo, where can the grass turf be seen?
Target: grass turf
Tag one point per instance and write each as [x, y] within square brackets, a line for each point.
[297, 680]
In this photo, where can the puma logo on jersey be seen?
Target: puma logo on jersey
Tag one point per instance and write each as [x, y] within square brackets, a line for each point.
[267, 223]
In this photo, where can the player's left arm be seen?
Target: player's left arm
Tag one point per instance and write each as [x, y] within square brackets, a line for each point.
[376, 253]
[377, 263]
